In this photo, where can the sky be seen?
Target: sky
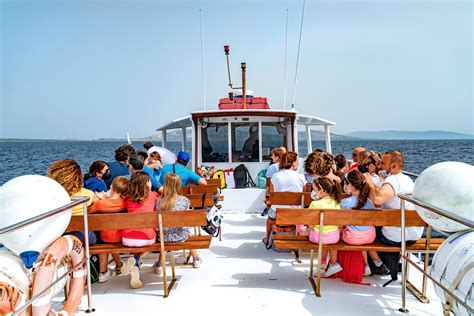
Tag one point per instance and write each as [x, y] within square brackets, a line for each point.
[91, 69]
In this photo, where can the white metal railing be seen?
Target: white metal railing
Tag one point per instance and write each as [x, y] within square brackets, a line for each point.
[465, 221]
[75, 201]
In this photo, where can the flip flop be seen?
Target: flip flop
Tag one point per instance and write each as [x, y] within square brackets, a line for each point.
[265, 242]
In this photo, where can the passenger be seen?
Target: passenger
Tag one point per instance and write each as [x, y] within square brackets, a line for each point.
[98, 173]
[173, 200]
[328, 197]
[386, 195]
[250, 147]
[341, 165]
[154, 162]
[311, 165]
[119, 167]
[140, 199]
[355, 154]
[356, 185]
[326, 167]
[147, 145]
[187, 176]
[114, 204]
[68, 173]
[277, 153]
[285, 180]
[137, 163]
[370, 165]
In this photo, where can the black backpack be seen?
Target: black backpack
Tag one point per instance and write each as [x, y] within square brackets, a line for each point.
[242, 177]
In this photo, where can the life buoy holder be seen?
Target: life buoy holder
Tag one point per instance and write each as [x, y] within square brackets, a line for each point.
[65, 246]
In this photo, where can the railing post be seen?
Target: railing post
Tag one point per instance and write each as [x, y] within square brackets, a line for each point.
[404, 264]
[86, 247]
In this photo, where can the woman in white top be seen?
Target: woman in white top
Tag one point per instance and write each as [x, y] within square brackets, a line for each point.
[285, 180]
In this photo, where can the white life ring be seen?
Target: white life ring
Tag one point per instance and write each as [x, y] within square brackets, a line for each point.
[65, 246]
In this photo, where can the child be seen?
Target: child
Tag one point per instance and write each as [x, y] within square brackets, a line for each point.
[329, 196]
[114, 204]
[139, 199]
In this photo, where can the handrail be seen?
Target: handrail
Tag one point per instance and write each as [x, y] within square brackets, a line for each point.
[409, 197]
[76, 201]
[411, 174]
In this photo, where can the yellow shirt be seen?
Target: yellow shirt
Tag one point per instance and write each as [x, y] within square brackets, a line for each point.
[78, 210]
[325, 203]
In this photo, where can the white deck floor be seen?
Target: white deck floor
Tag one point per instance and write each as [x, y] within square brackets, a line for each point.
[240, 277]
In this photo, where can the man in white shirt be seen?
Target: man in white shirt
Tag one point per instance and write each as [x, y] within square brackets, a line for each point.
[386, 195]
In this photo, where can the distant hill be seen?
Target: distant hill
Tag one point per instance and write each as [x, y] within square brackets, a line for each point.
[409, 135]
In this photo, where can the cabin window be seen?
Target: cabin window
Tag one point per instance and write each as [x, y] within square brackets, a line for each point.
[273, 136]
[245, 145]
[214, 142]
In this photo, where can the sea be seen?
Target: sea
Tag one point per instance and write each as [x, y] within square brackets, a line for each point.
[19, 158]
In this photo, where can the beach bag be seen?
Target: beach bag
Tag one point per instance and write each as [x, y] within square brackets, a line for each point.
[214, 221]
[352, 264]
[280, 230]
[94, 267]
[242, 177]
[262, 179]
[229, 178]
[219, 174]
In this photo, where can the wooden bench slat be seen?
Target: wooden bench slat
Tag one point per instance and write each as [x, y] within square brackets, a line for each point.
[197, 199]
[289, 198]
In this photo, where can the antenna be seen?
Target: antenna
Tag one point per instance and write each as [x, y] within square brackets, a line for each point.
[298, 57]
[284, 74]
[202, 62]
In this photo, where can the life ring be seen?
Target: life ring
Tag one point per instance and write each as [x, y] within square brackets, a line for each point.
[65, 246]
[14, 282]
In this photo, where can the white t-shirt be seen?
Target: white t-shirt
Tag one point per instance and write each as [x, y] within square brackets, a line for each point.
[287, 180]
[400, 183]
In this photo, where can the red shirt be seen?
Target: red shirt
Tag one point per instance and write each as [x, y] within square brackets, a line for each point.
[135, 207]
[110, 206]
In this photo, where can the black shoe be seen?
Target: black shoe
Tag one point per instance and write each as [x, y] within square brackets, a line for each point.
[382, 270]
[265, 212]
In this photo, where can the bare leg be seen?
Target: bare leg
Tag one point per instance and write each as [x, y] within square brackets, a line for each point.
[373, 255]
[194, 253]
[364, 255]
[333, 254]
[103, 262]
[118, 262]
[270, 223]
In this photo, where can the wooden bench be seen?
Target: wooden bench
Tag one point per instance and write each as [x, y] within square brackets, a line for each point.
[311, 217]
[147, 220]
[200, 200]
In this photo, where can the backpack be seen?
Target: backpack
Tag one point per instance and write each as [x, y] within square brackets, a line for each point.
[262, 179]
[242, 177]
[219, 174]
[352, 263]
[214, 220]
[280, 230]
[94, 267]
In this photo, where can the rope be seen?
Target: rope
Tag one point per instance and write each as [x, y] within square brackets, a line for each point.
[202, 62]
[298, 56]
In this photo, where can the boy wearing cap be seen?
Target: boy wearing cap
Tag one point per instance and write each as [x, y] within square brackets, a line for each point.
[187, 176]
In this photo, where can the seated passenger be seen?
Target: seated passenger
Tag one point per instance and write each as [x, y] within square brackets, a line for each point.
[172, 200]
[370, 165]
[98, 173]
[140, 199]
[137, 163]
[311, 165]
[119, 167]
[250, 147]
[114, 204]
[355, 154]
[187, 176]
[277, 153]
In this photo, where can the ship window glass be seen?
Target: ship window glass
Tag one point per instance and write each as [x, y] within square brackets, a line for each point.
[215, 143]
[273, 136]
[245, 142]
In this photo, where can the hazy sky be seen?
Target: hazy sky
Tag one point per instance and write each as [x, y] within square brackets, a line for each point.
[90, 69]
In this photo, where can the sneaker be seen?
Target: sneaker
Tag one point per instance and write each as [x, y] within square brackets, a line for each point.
[382, 270]
[107, 275]
[135, 282]
[332, 269]
[265, 212]
[197, 262]
[157, 268]
[367, 271]
[125, 269]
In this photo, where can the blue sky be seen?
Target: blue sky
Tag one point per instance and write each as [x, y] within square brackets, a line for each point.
[90, 69]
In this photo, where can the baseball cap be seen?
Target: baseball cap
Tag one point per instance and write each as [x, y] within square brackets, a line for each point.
[183, 156]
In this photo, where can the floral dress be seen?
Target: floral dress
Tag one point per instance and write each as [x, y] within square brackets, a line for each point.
[176, 234]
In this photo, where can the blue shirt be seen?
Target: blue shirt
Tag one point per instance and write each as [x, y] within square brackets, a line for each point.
[95, 185]
[349, 203]
[186, 175]
[272, 169]
[155, 183]
[117, 168]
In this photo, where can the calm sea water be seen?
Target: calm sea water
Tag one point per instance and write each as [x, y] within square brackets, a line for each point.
[21, 158]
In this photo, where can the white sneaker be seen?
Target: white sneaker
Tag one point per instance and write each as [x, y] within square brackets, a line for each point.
[367, 271]
[107, 275]
[157, 268]
[135, 282]
[197, 262]
[332, 269]
[125, 269]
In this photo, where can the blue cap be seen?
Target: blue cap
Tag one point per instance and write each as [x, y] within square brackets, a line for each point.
[183, 156]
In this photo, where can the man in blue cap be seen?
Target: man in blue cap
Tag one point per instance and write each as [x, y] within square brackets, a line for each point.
[187, 176]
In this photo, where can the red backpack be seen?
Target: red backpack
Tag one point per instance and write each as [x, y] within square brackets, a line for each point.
[352, 264]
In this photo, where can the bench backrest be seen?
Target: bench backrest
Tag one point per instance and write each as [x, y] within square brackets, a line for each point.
[290, 198]
[204, 189]
[214, 182]
[138, 220]
[200, 200]
[292, 216]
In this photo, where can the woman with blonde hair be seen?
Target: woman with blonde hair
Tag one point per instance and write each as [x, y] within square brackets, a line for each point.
[173, 200]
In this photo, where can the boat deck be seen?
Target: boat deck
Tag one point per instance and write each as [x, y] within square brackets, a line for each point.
[240, 277]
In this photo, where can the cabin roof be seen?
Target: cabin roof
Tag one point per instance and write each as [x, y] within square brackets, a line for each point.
[301, 118]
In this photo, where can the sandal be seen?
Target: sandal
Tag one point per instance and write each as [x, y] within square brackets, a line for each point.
[265, 242]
